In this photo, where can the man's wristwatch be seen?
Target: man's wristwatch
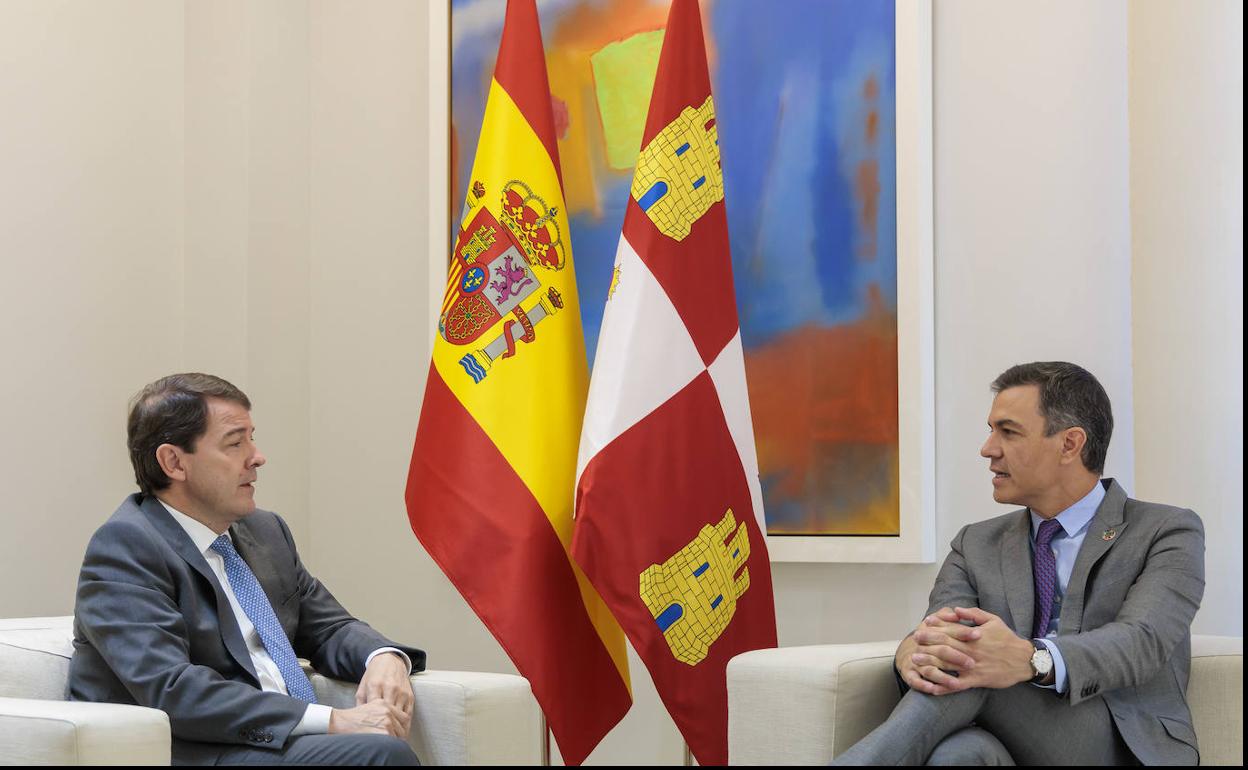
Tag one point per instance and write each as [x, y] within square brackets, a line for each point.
[1041, 662]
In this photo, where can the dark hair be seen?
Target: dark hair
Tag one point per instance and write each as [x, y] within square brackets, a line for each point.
[171, 410]
[1070, 397]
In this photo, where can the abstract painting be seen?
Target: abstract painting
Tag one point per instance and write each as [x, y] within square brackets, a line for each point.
[806, 102]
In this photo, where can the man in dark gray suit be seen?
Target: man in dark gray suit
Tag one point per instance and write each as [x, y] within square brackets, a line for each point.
[194, 602]
[1060, 633]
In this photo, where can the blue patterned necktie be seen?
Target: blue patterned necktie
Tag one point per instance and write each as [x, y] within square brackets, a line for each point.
[1045, 570]
[255, 604]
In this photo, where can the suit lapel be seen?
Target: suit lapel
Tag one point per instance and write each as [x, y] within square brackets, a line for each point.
[262, 565]
[1103, 531]
[181, 542]
[1016, 571]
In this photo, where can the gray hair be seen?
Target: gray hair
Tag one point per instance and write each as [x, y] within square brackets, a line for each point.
[1070, 397]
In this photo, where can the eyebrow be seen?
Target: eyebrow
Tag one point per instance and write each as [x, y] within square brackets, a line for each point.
[230, 433]
[1005, 422]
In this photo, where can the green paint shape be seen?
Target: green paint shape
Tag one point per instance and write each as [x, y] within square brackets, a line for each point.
[623, 79]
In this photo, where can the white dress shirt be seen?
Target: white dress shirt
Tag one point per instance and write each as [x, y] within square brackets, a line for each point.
[316, 719]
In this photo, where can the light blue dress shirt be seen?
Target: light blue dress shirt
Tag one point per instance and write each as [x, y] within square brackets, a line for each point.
[1065, 545]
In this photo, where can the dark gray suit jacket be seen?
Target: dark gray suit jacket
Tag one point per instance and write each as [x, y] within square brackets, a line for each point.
[1125, 628]
[152, 627]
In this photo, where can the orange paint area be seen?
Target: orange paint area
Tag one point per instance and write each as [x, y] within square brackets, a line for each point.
[824, 403]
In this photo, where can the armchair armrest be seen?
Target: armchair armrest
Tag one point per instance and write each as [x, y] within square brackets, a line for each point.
[42, 732]
[462, 717]
[805, 705]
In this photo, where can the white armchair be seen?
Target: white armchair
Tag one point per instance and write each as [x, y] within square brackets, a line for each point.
[805, 705]
[460, 718]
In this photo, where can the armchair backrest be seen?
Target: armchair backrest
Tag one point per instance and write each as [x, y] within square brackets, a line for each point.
[34, 657]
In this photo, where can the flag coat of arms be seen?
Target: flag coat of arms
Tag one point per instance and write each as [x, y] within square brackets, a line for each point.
[491, 485]
[669, 523]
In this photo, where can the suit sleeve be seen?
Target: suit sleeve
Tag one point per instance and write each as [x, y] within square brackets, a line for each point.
[127, 609]
[337, 644]
[955, 585]
[1155, 617]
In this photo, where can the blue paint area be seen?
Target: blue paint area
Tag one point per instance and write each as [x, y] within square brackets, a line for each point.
[652, 196]
[715, 602]
[669, 616]
[698, 572]
[699, 182]
[790, 111]
[736, 553]
[682, 149]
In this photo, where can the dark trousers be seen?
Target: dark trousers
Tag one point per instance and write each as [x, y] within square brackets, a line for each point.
[1033, 725]
[374, 750]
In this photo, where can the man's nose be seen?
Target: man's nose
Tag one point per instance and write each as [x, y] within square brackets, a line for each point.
[989, 449]
[258, 459]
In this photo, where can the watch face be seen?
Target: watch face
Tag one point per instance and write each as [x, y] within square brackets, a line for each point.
[1042, 662]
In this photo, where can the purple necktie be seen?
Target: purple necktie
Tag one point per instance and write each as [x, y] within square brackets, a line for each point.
[1045, 570]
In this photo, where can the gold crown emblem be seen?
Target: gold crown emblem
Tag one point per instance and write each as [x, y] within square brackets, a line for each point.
[534, 224]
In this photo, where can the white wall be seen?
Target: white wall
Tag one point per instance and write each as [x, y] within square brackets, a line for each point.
[1187, 224]
[241, 187]
[91, 268]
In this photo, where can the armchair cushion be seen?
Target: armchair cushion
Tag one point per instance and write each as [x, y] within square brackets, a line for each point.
[805, 705]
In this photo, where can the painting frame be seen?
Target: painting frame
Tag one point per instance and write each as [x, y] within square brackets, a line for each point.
[915, 286]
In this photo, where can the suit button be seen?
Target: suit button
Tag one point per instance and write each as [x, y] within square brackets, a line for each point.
[268, 737]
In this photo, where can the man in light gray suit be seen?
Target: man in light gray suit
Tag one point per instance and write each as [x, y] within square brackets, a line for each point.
[1060, 633]
[192, 601]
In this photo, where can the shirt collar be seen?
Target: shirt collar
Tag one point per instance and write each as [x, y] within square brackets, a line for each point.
[200, 534]
[1075, 518]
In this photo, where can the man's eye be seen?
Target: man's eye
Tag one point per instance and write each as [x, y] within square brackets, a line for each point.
[237, 443]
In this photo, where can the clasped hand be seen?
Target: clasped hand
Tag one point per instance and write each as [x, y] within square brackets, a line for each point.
[943, 655]
[383, 701]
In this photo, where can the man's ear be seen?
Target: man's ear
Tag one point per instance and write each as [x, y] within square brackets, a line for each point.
[1073, 440]
[170, 458]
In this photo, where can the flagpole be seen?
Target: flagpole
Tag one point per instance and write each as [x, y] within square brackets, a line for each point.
[688, 755]
[545, 741]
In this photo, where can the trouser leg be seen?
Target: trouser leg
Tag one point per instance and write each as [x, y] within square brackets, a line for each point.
[372, 750]
[913, 730]
[970, 746]
[1039, 728]
[1034, 725]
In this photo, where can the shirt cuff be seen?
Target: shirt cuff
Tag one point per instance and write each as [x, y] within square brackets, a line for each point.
[315, 720]
[396, 651]
[1059, 667]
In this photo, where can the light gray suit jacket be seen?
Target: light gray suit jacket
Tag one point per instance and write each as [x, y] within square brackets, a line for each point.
[1125, 628]
[152, 627]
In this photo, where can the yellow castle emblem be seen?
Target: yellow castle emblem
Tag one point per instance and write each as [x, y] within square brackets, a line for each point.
[693, 595]
[678, 174]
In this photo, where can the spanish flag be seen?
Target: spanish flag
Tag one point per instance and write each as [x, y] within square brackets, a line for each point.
[491, 484]
[669, 522]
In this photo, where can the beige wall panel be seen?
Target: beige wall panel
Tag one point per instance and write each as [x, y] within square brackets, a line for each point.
[369, 304]
[90, 269]
[1187, 228]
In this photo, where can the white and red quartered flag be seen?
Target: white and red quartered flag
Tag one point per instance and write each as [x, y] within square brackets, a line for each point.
[669, 518]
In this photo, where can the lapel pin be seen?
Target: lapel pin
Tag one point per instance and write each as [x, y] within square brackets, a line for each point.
[1108, 535]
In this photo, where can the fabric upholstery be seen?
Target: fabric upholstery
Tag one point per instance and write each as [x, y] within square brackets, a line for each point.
[461, 717]
[804, 705]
